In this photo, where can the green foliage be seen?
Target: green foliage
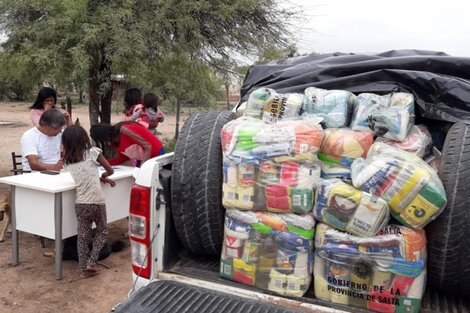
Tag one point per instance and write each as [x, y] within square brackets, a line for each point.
[161, 45]
[16, 77]
[274, 53]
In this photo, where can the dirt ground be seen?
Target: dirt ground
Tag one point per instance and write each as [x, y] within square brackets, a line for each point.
[31, 287]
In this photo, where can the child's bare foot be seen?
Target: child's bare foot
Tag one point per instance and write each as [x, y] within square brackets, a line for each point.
[92, 269]
[88, 274]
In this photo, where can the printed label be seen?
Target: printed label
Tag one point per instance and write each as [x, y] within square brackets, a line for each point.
[279, 283]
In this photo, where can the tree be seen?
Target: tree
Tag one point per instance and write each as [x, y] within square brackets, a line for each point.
[98, 37]
[272, 53]
[16, 78]
[180, 78]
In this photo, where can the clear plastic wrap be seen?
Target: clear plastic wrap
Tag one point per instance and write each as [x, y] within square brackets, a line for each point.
[390, 116]
[257, 100]
[385, 273]
[340, 148]
[270, 167]
[269, 251]
[268, 105]
[335, 171]
[334, 106]
[434, 159]
[418, 141]
[411, 188]
[346, 208]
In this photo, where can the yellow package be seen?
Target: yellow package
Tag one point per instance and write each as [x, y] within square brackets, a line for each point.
[411, 180]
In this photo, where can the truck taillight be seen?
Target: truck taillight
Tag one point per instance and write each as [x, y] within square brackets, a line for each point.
[139, 230]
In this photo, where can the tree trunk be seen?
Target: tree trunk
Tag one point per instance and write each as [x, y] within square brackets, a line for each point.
[106, 90]
[227, 85]
[69, 105]
[80, 96]
[100, 89]
[94, 98]
[177, 127]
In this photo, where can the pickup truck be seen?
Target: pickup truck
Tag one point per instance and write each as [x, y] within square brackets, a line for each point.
[176, 213]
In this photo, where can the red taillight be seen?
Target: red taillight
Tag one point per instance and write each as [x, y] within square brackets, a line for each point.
[139, 230]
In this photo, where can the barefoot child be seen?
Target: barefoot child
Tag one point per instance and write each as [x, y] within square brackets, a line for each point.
[82, 160]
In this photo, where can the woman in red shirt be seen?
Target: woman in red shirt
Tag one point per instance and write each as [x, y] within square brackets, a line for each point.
[126, 141]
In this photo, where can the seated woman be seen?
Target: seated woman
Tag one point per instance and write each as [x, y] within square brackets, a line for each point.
[46, 100]
[126, 141]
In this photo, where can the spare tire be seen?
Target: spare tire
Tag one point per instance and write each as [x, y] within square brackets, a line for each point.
[448, 235]
[196, 183]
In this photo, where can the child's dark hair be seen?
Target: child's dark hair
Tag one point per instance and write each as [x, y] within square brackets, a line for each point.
[102, 132]
[151, 101]
[43, 94]
[76, 142]
[132, 97]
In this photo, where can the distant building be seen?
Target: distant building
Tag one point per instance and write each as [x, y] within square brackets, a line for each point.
[119, 86]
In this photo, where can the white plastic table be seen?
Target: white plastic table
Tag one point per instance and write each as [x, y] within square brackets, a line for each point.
[44, 205]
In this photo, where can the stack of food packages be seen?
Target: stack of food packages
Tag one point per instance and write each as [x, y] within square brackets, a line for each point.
[271, 164]
[270, 171]
[360, 259]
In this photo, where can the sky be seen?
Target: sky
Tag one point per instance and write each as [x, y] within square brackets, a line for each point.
[375, 26]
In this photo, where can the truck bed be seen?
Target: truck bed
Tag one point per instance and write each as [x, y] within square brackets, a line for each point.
[208, 269]
[178, 261]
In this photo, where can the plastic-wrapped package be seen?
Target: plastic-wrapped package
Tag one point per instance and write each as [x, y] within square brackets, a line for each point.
[384, 273]
[344, 145]
[346, 208]
[339, 149]
[247, 139]
[270, 106]
[418, 141]
[334, 106]
[257, 100]
[270, 167]
[335, 171]
[269, 186]
[269, 251]
[411, 188]
[390, 116]
[283, 106]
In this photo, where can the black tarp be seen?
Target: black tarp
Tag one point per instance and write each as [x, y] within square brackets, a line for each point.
[439, 82]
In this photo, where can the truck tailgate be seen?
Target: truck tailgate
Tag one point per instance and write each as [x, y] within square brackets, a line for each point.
[174, 297]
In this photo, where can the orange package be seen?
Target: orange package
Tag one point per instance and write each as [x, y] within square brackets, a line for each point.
[308, 137]
[344, 142]
[414, 243]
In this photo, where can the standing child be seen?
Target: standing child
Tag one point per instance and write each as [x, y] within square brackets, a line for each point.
[82, 160]
[132, 102]
[149, 115]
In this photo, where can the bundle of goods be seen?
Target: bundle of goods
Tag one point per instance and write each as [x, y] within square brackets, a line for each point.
[340, 148]
[411, 188]
[270, 106]
[334, 106]
[270, 251]
[389, 116]
[418, 141]
[270, 167]
[346, 208]
[385, 273]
